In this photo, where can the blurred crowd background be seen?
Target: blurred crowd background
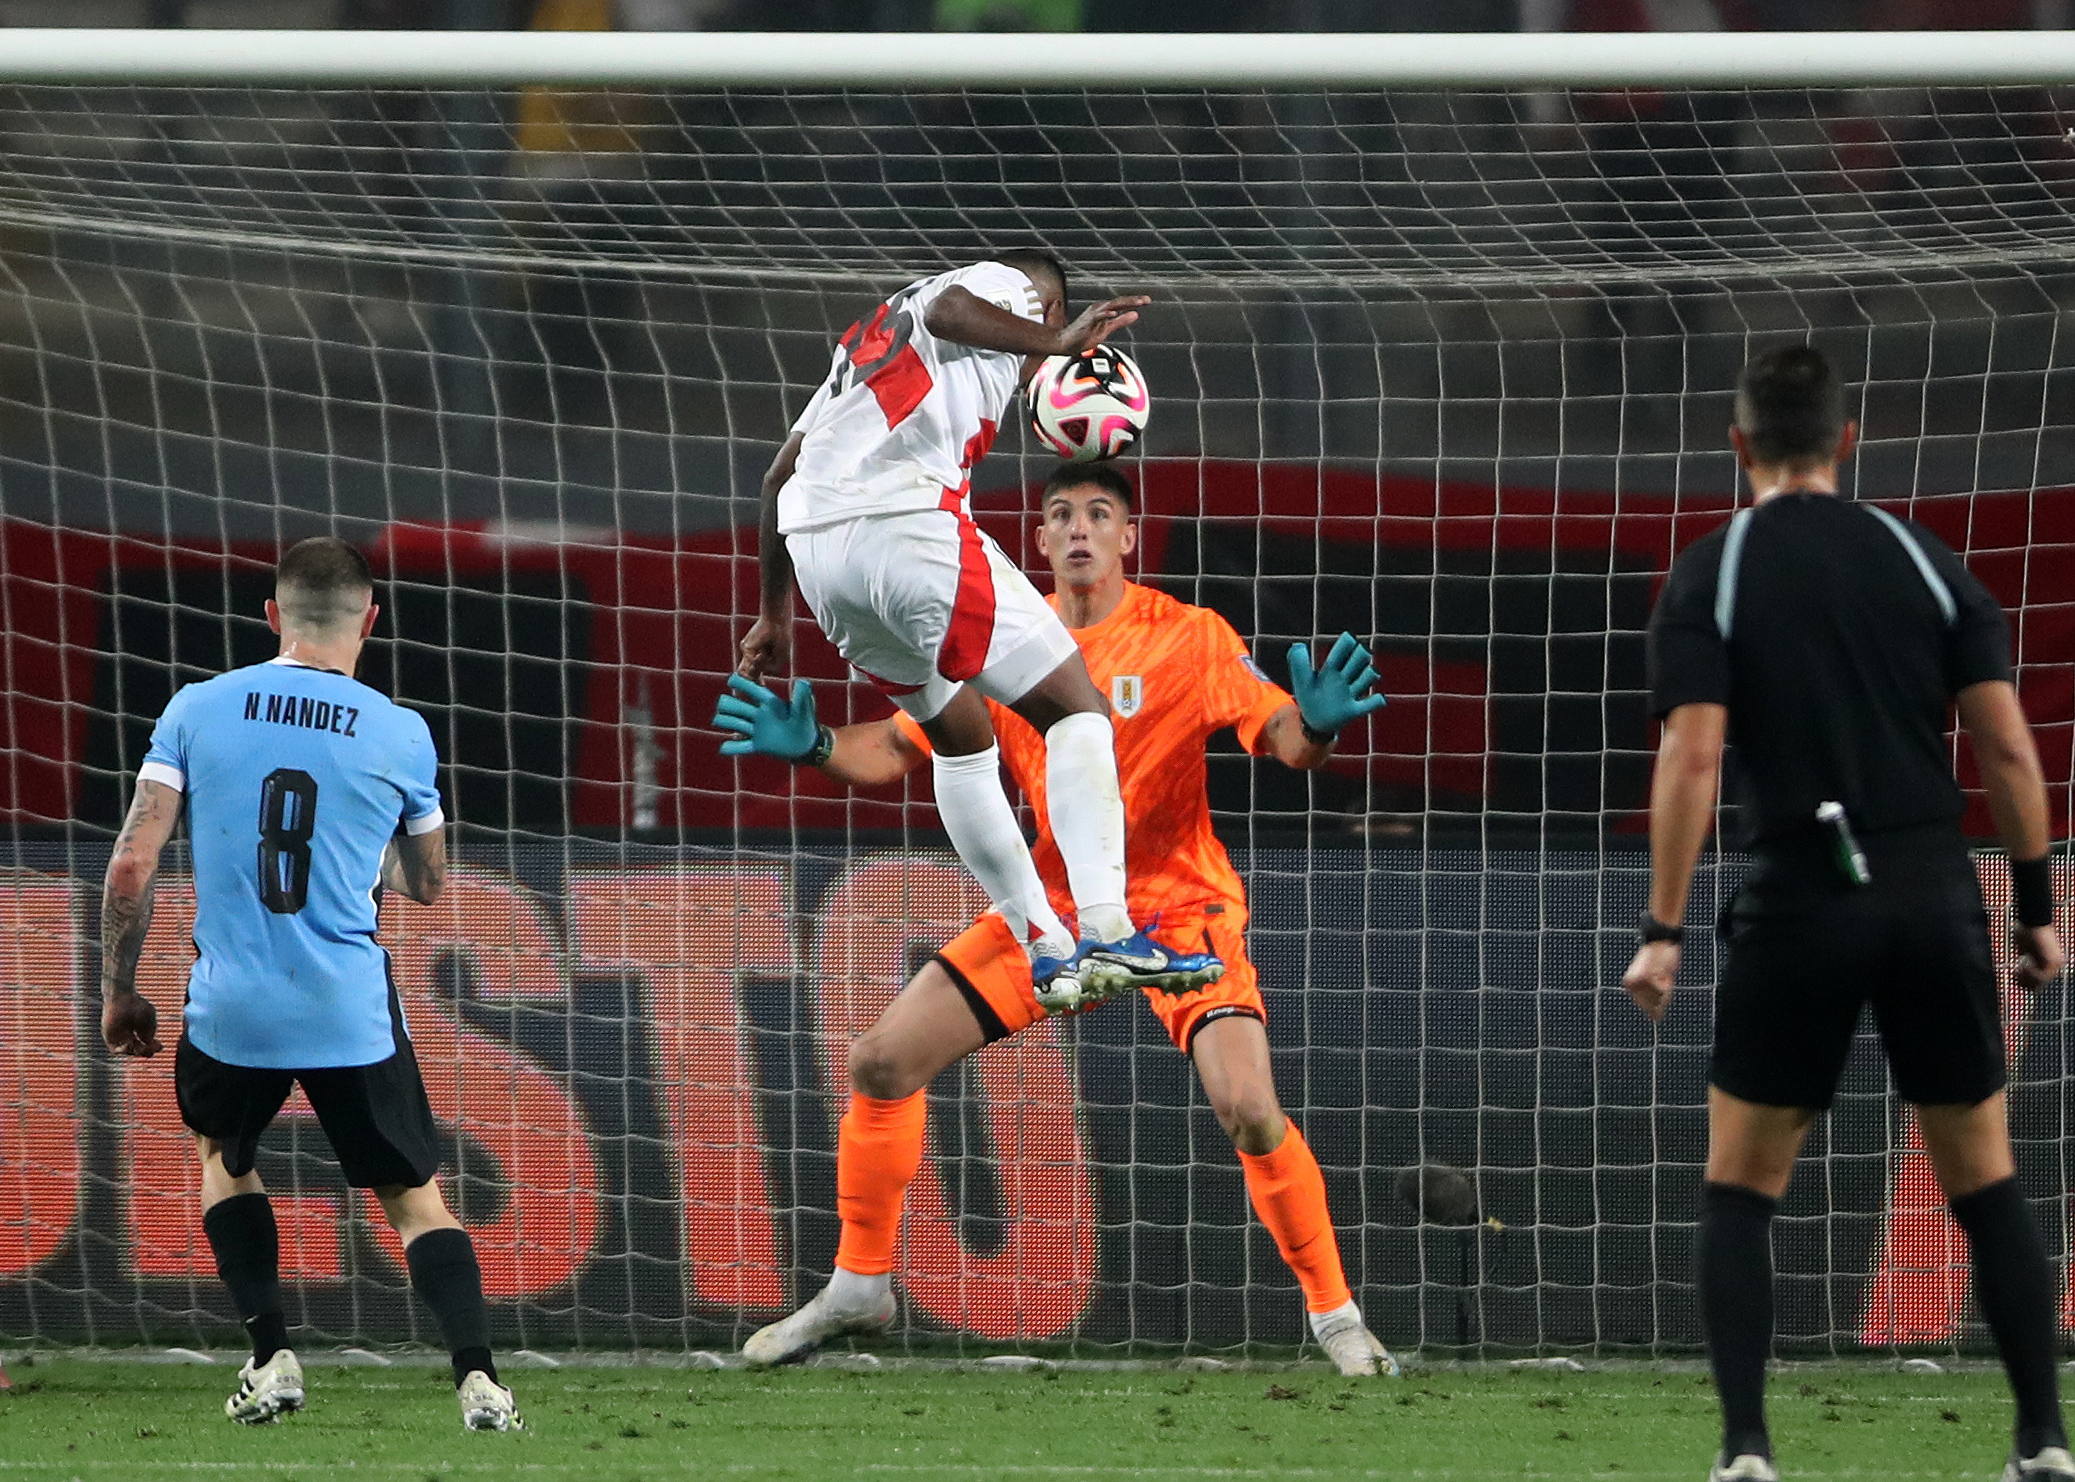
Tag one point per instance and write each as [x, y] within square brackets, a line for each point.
[604, 306]
[1055, 15]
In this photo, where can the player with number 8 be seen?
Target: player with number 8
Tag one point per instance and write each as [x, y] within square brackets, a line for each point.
[307, 794]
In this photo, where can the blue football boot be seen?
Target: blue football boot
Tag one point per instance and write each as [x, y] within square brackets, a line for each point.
[1138, 961]
[1058, 982]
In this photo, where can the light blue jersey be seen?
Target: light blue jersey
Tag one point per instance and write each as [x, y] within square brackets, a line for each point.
[296, 779]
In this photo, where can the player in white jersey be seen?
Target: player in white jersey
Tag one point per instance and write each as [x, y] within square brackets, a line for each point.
[867, 504]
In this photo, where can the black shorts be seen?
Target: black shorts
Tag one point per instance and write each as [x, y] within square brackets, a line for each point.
[376, 1116]
[1806, 950]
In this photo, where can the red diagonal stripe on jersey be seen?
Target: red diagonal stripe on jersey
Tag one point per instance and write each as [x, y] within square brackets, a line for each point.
[976, 447]
[897, 379]
[899, 385]
[964, 652]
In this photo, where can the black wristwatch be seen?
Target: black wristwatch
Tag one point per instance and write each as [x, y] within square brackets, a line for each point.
[1650, 929]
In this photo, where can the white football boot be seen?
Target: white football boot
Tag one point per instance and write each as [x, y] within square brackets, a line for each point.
[791, 1339]
[487, 1405]
[268, 1392]
[2052, 1464]
[1354, 1350]
[1751, 1468]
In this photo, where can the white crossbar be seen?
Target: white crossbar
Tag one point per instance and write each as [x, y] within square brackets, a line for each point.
[884, 59]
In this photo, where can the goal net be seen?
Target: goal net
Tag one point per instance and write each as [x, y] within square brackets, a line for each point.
[1445, 367]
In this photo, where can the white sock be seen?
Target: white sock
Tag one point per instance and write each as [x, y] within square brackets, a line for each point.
[1087, 818]
[983, 830]
[1325, 1322]
[851, 1291]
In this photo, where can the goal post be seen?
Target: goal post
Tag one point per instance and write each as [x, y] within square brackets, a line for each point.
[1440, 352]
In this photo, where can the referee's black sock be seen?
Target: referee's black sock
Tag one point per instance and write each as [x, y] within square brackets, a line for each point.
[1734, 1258]
[444, 1270]
[248, 1258]
[2013, 1285]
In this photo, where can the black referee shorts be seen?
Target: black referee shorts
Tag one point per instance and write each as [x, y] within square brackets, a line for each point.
[1806, 950]
[376, 1116]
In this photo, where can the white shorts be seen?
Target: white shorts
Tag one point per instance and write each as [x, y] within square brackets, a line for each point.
[922, 602]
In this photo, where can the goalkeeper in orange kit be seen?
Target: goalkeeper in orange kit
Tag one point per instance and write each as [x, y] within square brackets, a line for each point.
[1176, 675]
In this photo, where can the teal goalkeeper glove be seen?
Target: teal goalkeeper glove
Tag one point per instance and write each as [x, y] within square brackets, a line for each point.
[1331, 697]
[767, 724]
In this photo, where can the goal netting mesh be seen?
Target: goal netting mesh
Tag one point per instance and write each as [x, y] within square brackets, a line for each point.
[1448, 369]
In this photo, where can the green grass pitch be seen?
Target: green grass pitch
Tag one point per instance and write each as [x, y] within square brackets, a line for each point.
[73, 1418]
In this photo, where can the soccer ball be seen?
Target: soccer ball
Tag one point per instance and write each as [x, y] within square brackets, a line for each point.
[1088, 406]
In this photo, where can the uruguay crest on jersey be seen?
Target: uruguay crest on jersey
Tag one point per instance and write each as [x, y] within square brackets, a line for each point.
[1127, 694]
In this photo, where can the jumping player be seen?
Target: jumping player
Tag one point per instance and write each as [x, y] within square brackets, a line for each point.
[867, 504]
[307, 793]
[1183, 674]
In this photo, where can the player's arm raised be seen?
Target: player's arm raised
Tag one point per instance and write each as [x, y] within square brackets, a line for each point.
[129, 1021]
[765, 723]
[768, 646]
[964, 318]
[415, 865]
[1328, 698]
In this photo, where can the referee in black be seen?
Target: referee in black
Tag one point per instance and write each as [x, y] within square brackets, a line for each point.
[1828, 640]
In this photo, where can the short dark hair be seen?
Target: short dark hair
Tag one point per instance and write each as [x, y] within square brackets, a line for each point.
[1790, 406]
[322, 581]
[1103, 476]
[1034, 262]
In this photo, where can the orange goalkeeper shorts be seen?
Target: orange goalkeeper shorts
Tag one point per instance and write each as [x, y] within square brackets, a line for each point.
[993, 973]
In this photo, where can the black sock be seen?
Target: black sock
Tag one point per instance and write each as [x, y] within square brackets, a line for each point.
[1733, 1257]
[2013, 1286]
[248, 1258]
[443, 1269]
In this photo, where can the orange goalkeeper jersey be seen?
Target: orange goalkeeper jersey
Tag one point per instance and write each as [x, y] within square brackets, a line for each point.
[1175, 675]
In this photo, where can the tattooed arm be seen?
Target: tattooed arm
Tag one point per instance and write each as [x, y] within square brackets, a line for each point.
[129, 1022]
[415, 865]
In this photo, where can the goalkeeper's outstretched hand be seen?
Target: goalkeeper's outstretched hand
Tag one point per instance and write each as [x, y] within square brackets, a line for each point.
[765, 723]
[1335, 693]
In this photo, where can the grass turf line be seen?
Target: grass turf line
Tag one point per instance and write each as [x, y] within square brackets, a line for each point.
[91, 1420]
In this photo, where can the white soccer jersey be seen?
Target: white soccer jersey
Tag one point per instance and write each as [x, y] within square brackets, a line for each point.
[904, 416]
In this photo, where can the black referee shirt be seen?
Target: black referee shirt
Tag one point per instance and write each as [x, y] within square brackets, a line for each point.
[1840, 665]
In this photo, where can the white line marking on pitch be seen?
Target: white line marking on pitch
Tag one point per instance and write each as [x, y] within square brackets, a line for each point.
[274, 1468]
[954, 1468]
[1481, 1474]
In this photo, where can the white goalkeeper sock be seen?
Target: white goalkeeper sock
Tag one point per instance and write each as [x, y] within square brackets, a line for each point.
[983, 830]
[851, 1291]
[1087, 818]
[1324, 1324]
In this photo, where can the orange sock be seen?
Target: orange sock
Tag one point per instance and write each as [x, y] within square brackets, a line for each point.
[1289, 1194]
[878, 1149]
